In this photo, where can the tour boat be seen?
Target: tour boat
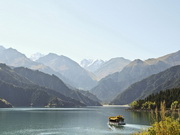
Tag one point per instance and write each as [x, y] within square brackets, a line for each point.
[116, 121]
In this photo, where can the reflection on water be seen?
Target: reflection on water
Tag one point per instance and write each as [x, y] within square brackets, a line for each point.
[69, 121]
[141, 117]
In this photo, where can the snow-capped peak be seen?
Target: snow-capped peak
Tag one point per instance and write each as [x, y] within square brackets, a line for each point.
[86, 62]
[36, 56]
[90, 64]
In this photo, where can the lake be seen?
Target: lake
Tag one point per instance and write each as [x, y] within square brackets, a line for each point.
[69, 121]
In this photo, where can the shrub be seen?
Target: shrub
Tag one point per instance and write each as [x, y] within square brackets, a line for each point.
[135, 105]
[174, 105]
[166, 126]
[149, 105]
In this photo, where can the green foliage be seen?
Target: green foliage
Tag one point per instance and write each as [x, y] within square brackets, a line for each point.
[4, 104]
[135, 105]
[171, 96]
[166, 126]
[148, 105]
[175, 105]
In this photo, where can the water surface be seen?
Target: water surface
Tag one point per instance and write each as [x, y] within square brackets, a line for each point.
[69, 121]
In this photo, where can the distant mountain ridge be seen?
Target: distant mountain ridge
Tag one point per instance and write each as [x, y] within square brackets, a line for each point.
[91, 65]
[167, 79]
[14, 58]
[115, 76]
[75, 76]
[36, 56]
[80, 77]
[1, 48]
[111, 66]
[104, 68]
[135, 71]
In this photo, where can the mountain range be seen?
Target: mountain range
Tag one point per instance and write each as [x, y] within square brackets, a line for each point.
[13, 58]
[167, 79]
[21, 92]
[104, 68]
[62, 81]
[54, 83]
[91, 65]
[25, 87]
[109, 87]
[79, 77]
[65, 68]
[111, 66]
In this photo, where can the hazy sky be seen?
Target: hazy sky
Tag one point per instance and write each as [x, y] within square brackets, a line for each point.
[100, 29]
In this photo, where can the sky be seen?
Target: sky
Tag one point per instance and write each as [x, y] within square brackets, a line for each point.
[91, 29]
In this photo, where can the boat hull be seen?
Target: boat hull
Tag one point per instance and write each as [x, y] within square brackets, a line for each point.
[117, 123]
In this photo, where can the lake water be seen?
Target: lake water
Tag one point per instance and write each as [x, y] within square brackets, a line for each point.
[69, 121]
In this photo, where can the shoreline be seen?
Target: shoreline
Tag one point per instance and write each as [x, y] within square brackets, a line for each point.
[115, 105]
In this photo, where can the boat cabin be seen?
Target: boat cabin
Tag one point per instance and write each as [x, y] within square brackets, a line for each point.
[116, 120]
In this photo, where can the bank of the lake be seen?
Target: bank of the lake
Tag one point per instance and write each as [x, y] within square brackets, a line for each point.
[116, 106]
[69, 121]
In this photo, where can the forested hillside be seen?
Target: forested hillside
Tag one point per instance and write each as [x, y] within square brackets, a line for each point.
[21, 92]
[167, 79]
[170, 96]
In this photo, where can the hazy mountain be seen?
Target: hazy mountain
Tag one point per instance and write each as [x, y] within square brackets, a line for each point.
[111, 66]
[103, 68]
[54, 83]
[86, 62]
[43, 79]
[70, 69]
[1, 49]
[135, 71]
[106, 89]
[36, 56]
[89, 95]
[91, 65]
[19, 91]
[167, 79]
[85, 98]
[14, 58]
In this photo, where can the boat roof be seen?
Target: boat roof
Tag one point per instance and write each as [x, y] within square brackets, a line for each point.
[116, 117]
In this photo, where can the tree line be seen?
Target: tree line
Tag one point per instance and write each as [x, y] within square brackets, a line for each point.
[170, 96]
